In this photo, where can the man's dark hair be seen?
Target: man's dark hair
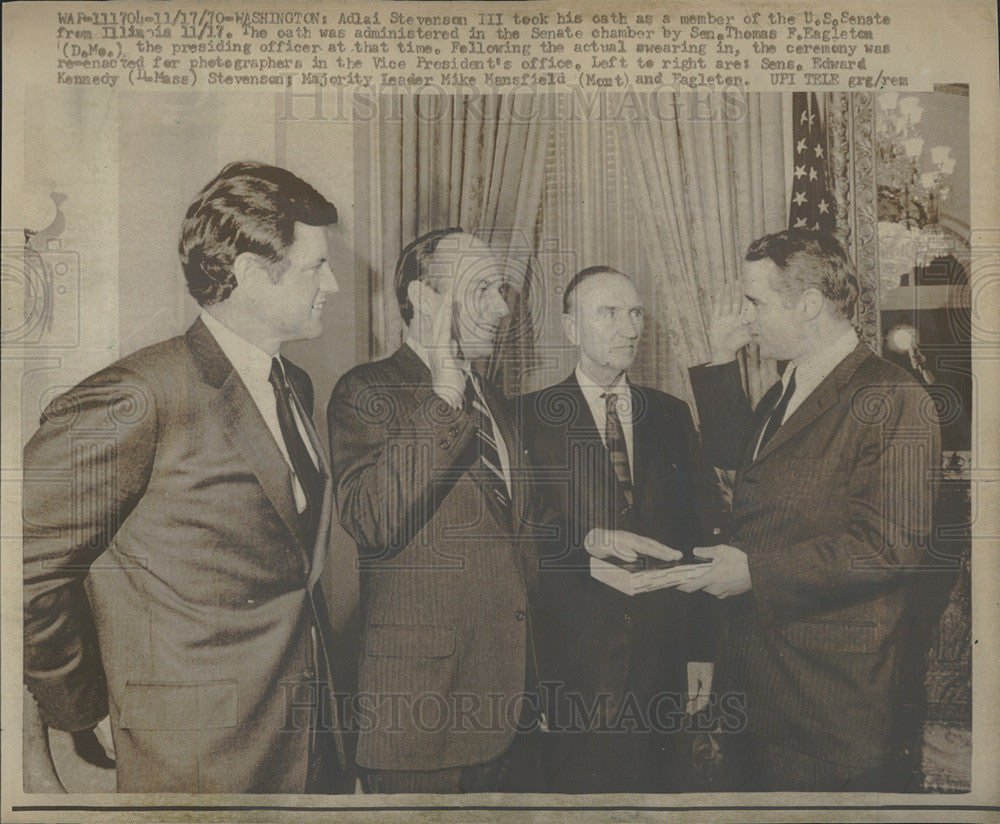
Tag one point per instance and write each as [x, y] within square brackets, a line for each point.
[580, 277]
[247, 207]
[411, 266]
[809, 258]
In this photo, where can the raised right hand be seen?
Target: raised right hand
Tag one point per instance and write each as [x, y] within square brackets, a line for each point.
[446, 373]
[727, 333]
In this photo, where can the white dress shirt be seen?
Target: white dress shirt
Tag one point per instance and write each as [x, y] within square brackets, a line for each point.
[594, 395]
[812, 371]
[253, 365]
[421, 351]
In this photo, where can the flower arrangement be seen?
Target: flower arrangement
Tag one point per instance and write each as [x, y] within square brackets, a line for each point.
[909, 189]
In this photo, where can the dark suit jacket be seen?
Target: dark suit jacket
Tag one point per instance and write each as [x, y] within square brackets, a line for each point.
[593, 639]
[159, 477]
[834, 515]
[445, 576]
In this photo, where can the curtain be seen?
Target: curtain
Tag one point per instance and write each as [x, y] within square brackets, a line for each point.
[474, 161]
[671, 189]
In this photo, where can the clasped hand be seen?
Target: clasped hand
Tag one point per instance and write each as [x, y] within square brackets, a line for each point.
[728, 574]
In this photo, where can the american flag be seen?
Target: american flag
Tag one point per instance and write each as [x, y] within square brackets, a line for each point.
[812, 205]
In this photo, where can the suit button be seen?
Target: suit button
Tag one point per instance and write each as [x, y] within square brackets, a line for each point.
[628, 617]
[520, 615]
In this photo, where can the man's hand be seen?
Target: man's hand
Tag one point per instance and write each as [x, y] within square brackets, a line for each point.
[728, 574]
[727, 333]
[602, 543]
[446, 373]
[699, 685]
[95, 746]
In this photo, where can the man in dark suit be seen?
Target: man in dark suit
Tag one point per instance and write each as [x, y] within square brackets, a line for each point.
[831, 516]
[431, 484]
[612, 455]
[186, 487]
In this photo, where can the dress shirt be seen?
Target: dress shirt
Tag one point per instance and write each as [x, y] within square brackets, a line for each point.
[594, 395]
[421, 351]
[812, 371]
[253, 365]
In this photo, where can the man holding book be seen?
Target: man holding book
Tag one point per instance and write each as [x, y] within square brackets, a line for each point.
[620, 466]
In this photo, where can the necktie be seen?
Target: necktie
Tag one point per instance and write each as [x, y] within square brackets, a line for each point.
[489, 453]
[615, 437]
[777, 415]
[302, 463]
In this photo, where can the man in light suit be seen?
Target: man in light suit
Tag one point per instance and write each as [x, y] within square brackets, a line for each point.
[617, 456]
[432, 485]
[831, 516]
[185, 486]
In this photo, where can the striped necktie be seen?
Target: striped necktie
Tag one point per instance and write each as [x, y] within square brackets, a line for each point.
[489, 452]
[618, 449]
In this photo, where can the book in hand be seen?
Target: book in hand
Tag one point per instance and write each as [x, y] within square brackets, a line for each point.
[644, 574]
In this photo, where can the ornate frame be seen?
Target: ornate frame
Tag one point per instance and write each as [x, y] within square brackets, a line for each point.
[851, 124]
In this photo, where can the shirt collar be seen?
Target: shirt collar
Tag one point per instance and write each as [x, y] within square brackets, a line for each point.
[248, 360]
[594, 392]
[822, 363]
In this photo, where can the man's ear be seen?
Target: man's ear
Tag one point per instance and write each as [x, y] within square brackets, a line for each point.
[417, 293]
[569, 327]
[248, 269]
[811, 303]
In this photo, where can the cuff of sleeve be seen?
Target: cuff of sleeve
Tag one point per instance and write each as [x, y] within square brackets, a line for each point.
[71, 703]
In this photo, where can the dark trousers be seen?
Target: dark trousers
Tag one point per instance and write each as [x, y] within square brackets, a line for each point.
[772, 767]
[325, 774]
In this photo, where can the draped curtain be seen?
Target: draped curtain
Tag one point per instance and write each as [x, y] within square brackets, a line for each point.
[475, 162]
[669, 188]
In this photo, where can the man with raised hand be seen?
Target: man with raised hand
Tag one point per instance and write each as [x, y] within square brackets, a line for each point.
[176, 511]
[433, 487]
[831, 515]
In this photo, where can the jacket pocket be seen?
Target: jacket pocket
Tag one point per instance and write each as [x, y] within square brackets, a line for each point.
[165, 706]
[835, 636]
[408, 641]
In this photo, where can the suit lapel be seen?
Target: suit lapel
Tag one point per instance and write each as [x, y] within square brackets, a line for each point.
[593, 471]
[588, 456]
[760, 416]
[245, 427]
[326, 507]
[820, 399]
[515, 453]
[642, 421]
